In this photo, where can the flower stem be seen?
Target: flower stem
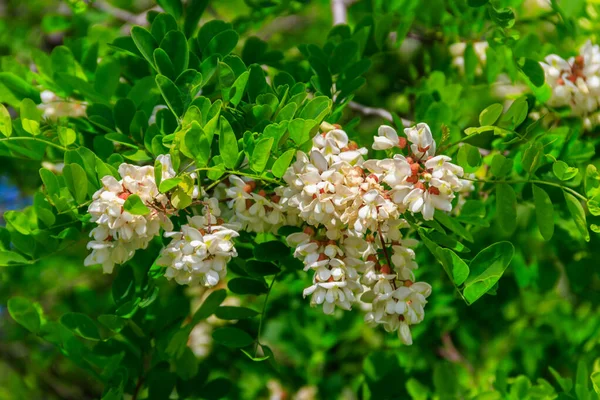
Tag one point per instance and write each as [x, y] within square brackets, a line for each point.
[262, 314]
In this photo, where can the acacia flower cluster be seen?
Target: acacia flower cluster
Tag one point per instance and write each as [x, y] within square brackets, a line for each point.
[199, 253]
[119, 233]
[352, 211]
[457, 50]
[575, 82]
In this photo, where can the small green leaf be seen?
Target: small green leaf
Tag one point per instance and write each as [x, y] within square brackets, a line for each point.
[76, 180]
[455, 267]
[578, 214]
[81, 325]
[238, 89]
[563, 172]
[18, 87]
[592, 181]
[486, 269]
[228, 146]
[11, 258]
[247, 286]
[222, 43]
[534, 71]
[469, 158]
[66, 135]
[261, 268]
[171, 94]
[112, 322]
[134, 205]
[506, 207]
[260, 155]
[501, 166]
[544, 212]
[491, 114]
[233, 313]
[232, 337]
[5, 121]
[30, 117]
[173, 7]
[25, 313]
[532, 156]
[169, 184]
[282, 163]
[271, 251]
[145, 43]
[209, 306]
[175, 45]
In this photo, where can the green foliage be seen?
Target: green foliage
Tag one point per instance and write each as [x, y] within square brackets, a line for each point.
[514, 309]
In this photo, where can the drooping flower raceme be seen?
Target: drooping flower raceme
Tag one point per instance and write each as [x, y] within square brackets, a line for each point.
[575, 82]
[352, 212]
[119, 233]
[199, 253]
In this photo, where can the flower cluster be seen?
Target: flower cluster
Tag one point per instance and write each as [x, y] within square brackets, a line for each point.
[118, 233]
[199, 253]
[352, 210]
[575, 82]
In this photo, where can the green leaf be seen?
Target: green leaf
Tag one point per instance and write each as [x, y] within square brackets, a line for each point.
[532, 156]
[228, 146]
[490, 115]
[209, 306]
[581, 381]
[112, 322]
[260, 155]
[193, 12]
[81, 325]
[261, 268]
[233, 313]
[578, 214]
[161, 25]
[11, 258]
[592, 180]
[169, 184]
[534, 71]
[247, 286]
[25, 313]
[181, 199]
[271, 251]
[456, 268]
[316, 109]
[107, 78]
[223, 43]
[30, 117]
[232, 337]
[175, 45]
[164, 64]
[301, 130]
[171, 94]
[486, 269]
[76, 180]
[282, 163]
[469, 158]
[544, 212]
[145, 43]
[5, 121]
[563, 172]
[595, 377]
[501, 166]
[237, 90]
[19, 88]
[134, 205]
[566, 384]
[173, 7]
[506, 207]
[66, 136]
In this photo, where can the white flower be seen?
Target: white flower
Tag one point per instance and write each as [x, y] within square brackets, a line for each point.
[199, 253]
[118, 233]
[422, 141]
[387, 139]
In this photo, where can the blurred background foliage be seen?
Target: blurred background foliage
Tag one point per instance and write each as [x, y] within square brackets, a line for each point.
[537, 337]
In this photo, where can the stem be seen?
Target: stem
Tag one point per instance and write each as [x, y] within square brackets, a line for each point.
[262, 314]
[138, 386]
[539, 182]
[35, 140]
[385, 252]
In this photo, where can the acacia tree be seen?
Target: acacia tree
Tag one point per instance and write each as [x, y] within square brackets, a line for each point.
[191, 151]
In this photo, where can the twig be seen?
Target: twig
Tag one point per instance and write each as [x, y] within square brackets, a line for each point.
[123, 15]
[378, 112]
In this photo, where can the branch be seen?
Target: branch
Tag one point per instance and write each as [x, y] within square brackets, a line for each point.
[378, 112]
[124, 15]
